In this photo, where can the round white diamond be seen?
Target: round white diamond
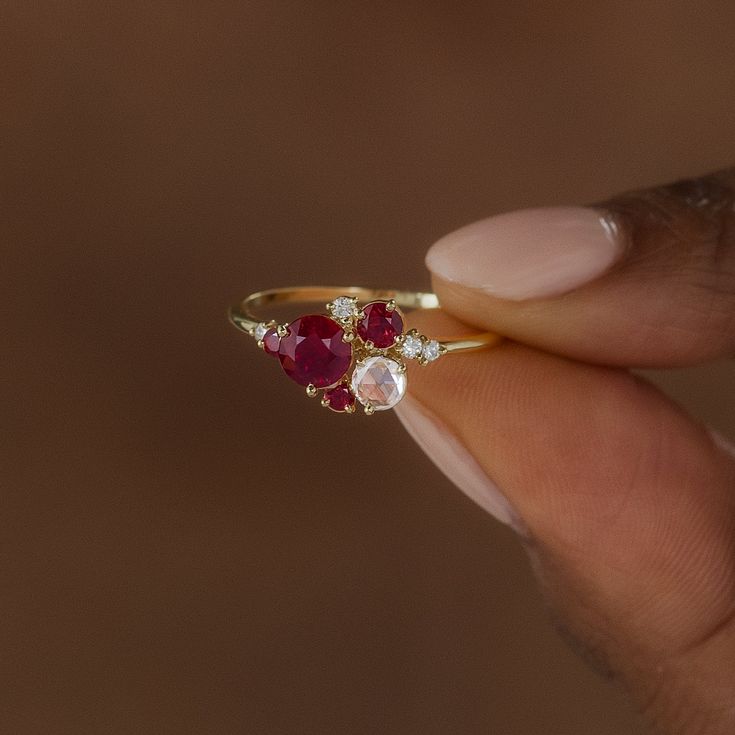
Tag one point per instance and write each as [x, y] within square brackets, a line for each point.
[379, 382]
[260, 330]
[343, 307]
[431, 350]
[412, 346]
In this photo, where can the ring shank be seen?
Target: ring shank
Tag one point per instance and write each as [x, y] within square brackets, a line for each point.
[244, 317]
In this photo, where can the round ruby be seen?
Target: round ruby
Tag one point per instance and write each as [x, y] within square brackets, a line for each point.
[340, 398]
[380, 326]
[271, 342]
[313, 352]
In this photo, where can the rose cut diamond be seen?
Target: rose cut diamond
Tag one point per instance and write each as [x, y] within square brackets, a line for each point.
[379, 382]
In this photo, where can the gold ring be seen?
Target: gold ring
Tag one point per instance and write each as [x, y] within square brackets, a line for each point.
[355, 352]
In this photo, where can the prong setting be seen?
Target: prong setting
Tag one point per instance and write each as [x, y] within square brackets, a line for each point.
[372, 335]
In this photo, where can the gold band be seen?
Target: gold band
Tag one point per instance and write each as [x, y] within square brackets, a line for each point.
[242, 315]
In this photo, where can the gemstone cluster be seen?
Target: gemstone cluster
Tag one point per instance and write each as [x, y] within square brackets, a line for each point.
[353, 355]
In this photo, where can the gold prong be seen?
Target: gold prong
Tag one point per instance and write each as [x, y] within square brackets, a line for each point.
[402, 367]
[260, 343]
[348, 337]
[282, 330]
[391, 305]
[361, 314]
[325, 402]
[369, 409]
[369, 345]
[311, 391]
[350, 408]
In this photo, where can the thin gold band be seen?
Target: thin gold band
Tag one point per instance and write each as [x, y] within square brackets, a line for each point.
[242, 315]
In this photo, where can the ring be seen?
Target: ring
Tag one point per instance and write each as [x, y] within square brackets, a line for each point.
[357, 351]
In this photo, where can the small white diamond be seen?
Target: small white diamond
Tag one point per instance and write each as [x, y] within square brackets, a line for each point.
[343, 307]
[260, 330]
[412, 346]
[431, 350]
[379, 382]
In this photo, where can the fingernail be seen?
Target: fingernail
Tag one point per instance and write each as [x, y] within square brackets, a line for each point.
[453, 459]
[532, 253]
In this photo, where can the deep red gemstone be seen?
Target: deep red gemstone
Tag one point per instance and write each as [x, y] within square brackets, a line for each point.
[340, 398]
[380, 326]
[271, 341]
[313, 353]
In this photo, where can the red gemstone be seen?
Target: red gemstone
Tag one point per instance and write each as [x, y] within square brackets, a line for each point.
[340, 398]
[313, 353]
[380, 326]
[271, 341]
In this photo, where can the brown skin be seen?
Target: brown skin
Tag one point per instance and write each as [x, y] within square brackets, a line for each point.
[627, 505]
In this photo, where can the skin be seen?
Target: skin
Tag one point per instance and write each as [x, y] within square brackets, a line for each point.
[625, 504]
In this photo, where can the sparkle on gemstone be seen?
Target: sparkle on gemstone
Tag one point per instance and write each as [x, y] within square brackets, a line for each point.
[380, 326]
[412, 346]
[260, 330]
[313, 351]
[343, 307]
[431, 351]
[379, 382]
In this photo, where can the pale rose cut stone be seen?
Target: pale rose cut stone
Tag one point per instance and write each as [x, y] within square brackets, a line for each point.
[379, 382]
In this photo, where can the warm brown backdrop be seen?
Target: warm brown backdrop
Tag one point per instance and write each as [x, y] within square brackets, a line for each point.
[187, 545]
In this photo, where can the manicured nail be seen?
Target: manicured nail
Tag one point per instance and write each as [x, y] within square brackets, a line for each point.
[453, 459]
[532, 253]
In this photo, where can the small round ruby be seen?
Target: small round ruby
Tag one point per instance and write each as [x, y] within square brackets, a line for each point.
[340, 398]
[380, 326]
[313, 352]
[271, 341]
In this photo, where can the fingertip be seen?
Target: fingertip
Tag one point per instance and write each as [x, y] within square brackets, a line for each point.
[529, 254]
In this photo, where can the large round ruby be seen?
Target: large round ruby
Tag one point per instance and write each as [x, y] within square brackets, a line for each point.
[380, 326]
[313, 352]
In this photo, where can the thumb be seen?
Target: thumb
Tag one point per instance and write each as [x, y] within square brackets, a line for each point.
[626, 505]
[644, 279]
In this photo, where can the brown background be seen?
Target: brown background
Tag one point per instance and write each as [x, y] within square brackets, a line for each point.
[188, 546]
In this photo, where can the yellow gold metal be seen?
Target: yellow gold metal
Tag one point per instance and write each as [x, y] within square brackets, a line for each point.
[391, 305]
[348, 337]
[282, 330]
[369, 410]
[350, 408]
[325, 402]
[311, 391]
[244, 317]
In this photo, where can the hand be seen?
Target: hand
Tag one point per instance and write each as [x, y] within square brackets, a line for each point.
[626, 504]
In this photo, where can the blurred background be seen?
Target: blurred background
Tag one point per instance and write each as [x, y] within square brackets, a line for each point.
[187, 545]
